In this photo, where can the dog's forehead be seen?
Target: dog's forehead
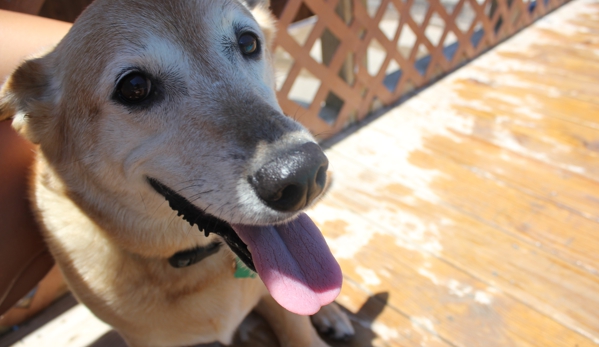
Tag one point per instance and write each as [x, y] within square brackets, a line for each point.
[186, 22]
[114, 33]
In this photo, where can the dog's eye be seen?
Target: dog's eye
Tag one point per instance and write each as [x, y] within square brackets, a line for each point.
[134, 87]
[249, 44]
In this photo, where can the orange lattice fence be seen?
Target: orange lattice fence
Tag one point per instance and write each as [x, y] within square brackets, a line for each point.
[354, 56]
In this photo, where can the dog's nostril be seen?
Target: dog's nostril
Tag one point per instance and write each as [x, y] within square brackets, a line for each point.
[321, 176]
[289, 194]
[292, 181]
[277, 196]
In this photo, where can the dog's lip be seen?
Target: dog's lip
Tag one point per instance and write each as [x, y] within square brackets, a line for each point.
[292, 259]
[205, 221]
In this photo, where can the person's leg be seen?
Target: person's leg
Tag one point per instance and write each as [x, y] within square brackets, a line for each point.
[22, 35]
[24, 259]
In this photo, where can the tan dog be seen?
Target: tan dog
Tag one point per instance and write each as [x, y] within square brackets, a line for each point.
[153, 115]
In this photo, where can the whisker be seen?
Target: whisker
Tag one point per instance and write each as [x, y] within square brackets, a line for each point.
[143, 202]
[188, 187]
[192, 180]
[197, 196]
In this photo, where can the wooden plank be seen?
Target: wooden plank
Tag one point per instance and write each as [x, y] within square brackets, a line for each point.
[569, 191]
[379, 324]
[529, 218]
[533, 100]
[538, 279]
[433, 293]
[519, 97]
[571, 86]
[553, 141]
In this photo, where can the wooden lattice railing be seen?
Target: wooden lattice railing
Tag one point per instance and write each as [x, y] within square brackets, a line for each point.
[354, 56]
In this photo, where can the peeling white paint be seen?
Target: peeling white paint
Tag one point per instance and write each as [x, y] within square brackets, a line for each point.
[384, 332]
[416, 234]
[392, 158]
[354, 237]
[482, 297]
[568, 15]
[493, 290]
[431, 276]
[369, 277]
[458, 289]
[385, 273]
[418, 322]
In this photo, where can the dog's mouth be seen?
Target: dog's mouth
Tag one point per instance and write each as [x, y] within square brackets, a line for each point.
[292, 259]
[204, 221]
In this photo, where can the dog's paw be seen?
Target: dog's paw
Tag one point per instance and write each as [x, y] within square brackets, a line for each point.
[333, 322]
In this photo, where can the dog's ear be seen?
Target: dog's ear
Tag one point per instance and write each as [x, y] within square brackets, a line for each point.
[25, 95]
[251, 4]
[261, 11]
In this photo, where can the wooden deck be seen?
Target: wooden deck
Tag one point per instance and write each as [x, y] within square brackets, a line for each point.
[469, 214]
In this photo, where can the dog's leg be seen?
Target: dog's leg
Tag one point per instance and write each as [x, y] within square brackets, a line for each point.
[291, 329]
[333, 322]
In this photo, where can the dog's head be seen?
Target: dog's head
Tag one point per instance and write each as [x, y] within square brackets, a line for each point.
[147, 100]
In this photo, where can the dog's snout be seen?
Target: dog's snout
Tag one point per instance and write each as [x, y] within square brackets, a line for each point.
[292, 181]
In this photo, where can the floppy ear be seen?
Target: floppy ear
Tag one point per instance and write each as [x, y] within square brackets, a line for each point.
[27, 95]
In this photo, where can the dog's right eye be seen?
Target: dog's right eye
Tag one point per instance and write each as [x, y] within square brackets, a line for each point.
[134, 88]
[248, 44]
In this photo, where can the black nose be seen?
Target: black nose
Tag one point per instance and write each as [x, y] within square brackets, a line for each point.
[293, 180]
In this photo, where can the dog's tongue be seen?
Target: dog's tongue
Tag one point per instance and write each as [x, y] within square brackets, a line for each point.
[295, 263]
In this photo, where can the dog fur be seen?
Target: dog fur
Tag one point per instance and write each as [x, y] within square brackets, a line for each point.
[217, 119]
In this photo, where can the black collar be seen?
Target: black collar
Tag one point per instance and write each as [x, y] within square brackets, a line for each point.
[191, 256]
[205, 222]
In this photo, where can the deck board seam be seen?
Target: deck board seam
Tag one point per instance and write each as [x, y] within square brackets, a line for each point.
[517, 187]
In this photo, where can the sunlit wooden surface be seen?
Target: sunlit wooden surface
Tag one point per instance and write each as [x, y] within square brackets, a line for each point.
[468, 215]
[475, 205]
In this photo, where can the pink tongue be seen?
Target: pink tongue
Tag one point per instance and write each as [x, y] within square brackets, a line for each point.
[295, 263]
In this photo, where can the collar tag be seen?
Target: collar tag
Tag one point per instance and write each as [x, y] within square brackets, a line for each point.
[242, 271]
